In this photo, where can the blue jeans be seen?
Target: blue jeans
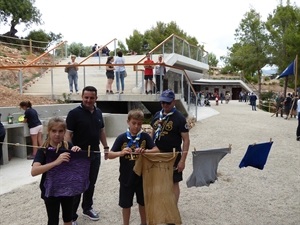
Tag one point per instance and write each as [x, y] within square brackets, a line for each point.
[120, 77]
[87, 199]
[298, 128]
[73, 78]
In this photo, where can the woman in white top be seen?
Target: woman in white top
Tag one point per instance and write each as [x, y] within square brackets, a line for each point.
[160, 71]
[120, 72]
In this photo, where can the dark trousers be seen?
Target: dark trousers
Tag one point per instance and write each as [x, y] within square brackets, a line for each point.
[87, 196]
[253, 104]
[157, 79]
[1, 140]
[298, 128]
[279, 109]
[53, 205]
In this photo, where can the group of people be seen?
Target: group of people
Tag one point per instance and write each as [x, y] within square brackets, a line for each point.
[159, 72]
[290, 106]
[115, 71]
[112, 72]
[286, 105]
[83, 131]
[119, 72]
[104, 51]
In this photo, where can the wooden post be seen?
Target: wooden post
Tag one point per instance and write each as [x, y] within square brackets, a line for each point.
[30, 46]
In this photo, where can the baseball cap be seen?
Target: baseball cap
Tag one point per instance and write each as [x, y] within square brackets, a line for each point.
[167, 96]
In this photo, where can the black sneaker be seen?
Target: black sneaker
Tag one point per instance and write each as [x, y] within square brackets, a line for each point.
[91, 214]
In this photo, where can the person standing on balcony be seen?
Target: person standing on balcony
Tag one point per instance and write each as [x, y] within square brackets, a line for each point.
[160, 71]
[148, 73]
[120, 72]
[109, 74]
[72, 69]
[94, 48]
[35, 126]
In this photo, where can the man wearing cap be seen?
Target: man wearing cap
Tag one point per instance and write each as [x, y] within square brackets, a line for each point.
[170, 130]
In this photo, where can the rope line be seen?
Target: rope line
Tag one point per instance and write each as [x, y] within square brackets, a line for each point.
[133, 153]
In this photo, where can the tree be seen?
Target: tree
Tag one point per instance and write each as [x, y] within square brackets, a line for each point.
[249, 54]
[122, 47]
[154, 36]
[284, 36]
[212, 60]
[135, 42]
[15, 12]
[78, 49]
[42, 40]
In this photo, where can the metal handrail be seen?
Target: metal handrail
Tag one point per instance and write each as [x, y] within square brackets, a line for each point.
[91, 65]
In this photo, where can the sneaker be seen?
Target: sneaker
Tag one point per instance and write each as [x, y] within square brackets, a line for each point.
[111, 92]
[74, 223]
[30, 157]
[91, 214]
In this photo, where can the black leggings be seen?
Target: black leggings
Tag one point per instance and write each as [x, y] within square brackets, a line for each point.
[53, 205]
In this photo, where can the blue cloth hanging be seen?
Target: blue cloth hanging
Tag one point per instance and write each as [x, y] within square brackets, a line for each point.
[256, 155]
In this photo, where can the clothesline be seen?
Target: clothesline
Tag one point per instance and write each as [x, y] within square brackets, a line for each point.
[88, 150]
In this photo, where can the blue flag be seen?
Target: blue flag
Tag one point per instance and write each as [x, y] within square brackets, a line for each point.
[288, 71]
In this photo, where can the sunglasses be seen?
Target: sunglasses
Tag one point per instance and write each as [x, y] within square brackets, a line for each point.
[167, 103]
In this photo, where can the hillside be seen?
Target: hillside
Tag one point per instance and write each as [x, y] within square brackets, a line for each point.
[9, 81]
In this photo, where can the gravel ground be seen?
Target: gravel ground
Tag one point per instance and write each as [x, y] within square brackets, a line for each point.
[239, 197]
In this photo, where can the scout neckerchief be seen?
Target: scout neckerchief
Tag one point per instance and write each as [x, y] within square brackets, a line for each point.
[135, 140]
[162, 117]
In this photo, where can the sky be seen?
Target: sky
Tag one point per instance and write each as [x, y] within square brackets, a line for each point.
[211, 22]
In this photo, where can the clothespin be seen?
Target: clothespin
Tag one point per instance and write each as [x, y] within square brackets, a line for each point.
[174, 152]
[89, 151]
[271, 140]
[131, 156]
[194, 149]
[230, 146]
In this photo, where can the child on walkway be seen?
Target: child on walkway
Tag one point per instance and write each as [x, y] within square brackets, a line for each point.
[42, 165]
[128, 146]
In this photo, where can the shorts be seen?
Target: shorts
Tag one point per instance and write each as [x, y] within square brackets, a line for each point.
[110, 75]
[126, 194]
[148, 77]
[177, 176]
[36, 130]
